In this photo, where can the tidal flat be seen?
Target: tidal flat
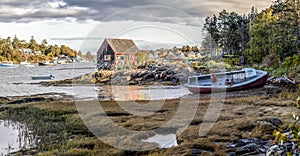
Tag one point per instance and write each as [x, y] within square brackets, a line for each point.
[61, 130]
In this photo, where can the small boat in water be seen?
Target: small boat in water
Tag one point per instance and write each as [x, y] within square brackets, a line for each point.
[229, 81]
[46, 77]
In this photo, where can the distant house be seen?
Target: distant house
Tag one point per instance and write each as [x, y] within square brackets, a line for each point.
[117, 53]
[26, 50]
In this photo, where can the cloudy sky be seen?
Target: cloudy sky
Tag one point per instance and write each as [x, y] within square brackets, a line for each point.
[83, 24]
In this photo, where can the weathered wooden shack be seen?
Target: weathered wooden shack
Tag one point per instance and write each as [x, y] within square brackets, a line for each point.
[117, 54]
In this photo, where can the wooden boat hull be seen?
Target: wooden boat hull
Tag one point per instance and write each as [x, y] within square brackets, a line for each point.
[46, 64]
[256, 83]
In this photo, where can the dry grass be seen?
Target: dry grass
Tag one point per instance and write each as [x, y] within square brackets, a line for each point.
[286, 94]
[237, 120]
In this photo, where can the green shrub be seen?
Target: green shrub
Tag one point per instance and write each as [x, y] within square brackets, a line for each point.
[279, 72]
[293, 61]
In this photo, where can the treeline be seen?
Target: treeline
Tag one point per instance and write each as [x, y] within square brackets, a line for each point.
[187, 48]
[270, 36]
[16, 50]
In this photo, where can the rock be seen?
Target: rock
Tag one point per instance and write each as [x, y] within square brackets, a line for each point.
[196, 152]
[230, 154]
[147, 74]
[275, 121]
[264, 130]
[272, 150]
[27, 100]
[4, 100]
[262, 150]
[281, 152]
[283, 149]
[170, 72]
[288, 146]
[289, 135]
[248, 149]
[243, 142]
[252, 146]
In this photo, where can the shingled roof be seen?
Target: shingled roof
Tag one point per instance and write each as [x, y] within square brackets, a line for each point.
[122, 45]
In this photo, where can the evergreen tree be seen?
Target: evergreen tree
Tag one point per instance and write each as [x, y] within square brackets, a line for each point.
[33, 45]
[262, 36]
[229, 31]
[16, 43]
[287, 26]
[43, 46]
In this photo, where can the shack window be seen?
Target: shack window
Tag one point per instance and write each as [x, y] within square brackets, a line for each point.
[128, 57]
[120, 57]
[107, 57]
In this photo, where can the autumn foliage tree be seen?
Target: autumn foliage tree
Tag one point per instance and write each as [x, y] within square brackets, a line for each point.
[275, 30]
[12, 50]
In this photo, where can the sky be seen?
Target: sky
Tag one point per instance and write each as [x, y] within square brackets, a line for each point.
[83, 24]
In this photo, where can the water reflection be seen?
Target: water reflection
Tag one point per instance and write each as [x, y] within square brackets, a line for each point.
[163, 141]
[132, 93]
[15, 136]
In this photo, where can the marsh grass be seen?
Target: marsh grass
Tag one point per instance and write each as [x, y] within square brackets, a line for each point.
[60, 130]
[287, 94]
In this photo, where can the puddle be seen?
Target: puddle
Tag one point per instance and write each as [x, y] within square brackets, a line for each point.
[132, 93]
[14, 136]
[163, 141]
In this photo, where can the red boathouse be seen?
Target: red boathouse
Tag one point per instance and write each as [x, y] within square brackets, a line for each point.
[117, 54]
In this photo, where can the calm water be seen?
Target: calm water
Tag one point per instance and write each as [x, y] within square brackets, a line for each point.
[164, 141]
[16, 81]
[14, 136]
[131, 93]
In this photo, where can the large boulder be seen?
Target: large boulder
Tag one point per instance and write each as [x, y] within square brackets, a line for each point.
[264, 129]
[253, 146]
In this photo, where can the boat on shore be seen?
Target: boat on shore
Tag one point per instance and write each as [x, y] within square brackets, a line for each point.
[44, 77]
[46, 64]
[229, 81]
[26, 64]
[8, 65]
[29, 65]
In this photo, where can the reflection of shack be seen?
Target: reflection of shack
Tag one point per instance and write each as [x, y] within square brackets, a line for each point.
[117, 53]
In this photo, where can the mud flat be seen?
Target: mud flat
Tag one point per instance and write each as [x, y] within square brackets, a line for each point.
[57, 122]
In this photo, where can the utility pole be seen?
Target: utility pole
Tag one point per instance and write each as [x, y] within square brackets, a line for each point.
[297, 9]
[210, 43]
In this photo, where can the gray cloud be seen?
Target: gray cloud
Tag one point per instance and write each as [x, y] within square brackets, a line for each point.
[175, 11]
[33, 10]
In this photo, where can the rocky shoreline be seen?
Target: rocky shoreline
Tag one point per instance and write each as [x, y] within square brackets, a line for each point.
[148, 75]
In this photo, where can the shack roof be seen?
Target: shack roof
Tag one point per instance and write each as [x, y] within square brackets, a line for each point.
[122, 45]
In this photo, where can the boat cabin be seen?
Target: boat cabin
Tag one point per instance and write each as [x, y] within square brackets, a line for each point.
[233, 80]
[223, 78]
